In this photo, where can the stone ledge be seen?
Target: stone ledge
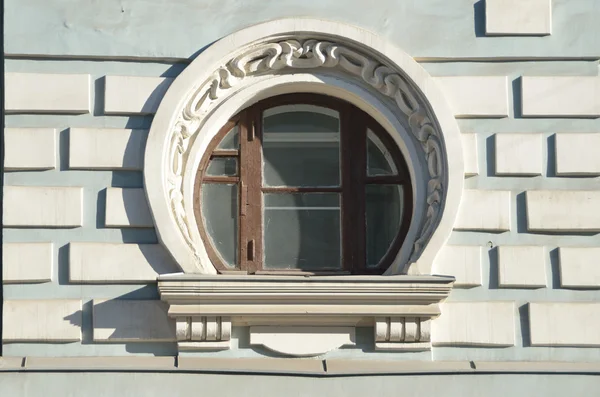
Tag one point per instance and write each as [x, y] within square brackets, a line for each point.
[205, 307]
[309, 367]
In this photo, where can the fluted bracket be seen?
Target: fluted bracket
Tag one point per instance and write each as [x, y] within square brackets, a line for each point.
[203, 332]
[403, 333]
[400, 307]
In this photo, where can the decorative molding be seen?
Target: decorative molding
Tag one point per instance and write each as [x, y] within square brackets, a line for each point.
[400, 307]
[272, 57]
[402, 333]
[203, 332]
[394, 87]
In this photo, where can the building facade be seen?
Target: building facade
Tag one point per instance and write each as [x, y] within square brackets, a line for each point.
[269, 197]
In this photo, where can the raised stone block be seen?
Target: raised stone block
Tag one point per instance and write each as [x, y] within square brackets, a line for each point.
[462, 262]
[43, 206]
[518, 17]
[112, 149]
[132, 321]
[564, 324]
[475, 324]
[469, 145]
[577, 154]
[29, 149]
[133, 94]
[118, 263]
[27, 262]
[521, 267]
[47, 93]
[41, 321]
[579, 267]
[563, 211]
[476, 96]
[519, 154]
[127, 208]
[484, 210]
[561, 96]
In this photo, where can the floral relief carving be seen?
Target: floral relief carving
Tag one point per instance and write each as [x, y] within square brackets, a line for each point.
[272, 57]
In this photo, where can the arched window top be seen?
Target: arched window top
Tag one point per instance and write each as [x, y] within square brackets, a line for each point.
[299, 184]
[305, 56]
[402, 110]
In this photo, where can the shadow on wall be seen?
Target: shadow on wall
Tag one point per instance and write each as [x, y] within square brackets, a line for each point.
[479, 18]
[493, 257]
[136, 320]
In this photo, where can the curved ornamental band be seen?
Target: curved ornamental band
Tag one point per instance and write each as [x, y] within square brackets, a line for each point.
[303, 183]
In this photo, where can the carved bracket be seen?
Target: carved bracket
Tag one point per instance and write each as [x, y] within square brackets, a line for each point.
[203, 332]
[403, 333]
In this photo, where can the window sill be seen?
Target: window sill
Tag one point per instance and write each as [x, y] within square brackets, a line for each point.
[399, 307]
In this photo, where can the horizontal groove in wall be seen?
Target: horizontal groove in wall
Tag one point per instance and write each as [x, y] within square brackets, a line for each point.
[505, 59]
[98, 58]
[271, 366]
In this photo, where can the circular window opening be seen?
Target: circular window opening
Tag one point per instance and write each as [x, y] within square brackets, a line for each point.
[303, 184]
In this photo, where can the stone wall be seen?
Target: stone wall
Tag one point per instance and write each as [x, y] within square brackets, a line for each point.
[81, 256]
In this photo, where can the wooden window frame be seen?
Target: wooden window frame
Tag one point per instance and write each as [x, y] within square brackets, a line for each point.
[354, 124]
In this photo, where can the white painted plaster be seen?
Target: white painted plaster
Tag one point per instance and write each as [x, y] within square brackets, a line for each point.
[41, 321]
[47, 93]
[476, 96]
[127, 208]
[475, 324]
[561, 96]
[133, 94]
[27, 262]
[564, 324]
[579, 267]
[469, 145]
[43, 206]
[101, 148]
[577, 154]
[132, 321]
[563, 211]
[518, 17]
[302, 341]
[29, 149]
[103, 263]
[484, 210]
[521, 267]
[462, 262]
[519, 154]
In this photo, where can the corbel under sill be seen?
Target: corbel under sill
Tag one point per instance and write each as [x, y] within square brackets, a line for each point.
[300, 309]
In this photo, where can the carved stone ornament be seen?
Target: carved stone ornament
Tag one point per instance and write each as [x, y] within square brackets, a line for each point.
[280, 56]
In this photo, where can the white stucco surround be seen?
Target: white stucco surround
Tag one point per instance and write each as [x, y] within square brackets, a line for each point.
[305, 55]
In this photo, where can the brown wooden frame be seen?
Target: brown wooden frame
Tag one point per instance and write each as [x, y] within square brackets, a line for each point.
[354, 124]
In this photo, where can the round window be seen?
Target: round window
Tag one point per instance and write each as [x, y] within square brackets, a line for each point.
[301, 184]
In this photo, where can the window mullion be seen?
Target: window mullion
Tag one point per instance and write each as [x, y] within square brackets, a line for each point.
[250, 188]
[354, 166]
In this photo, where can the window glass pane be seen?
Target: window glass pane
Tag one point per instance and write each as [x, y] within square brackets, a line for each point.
[222, 166]
[220, 213]
[302, 231]
[384, 207]
[231, 141]
[379, 159]
[301, 146]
